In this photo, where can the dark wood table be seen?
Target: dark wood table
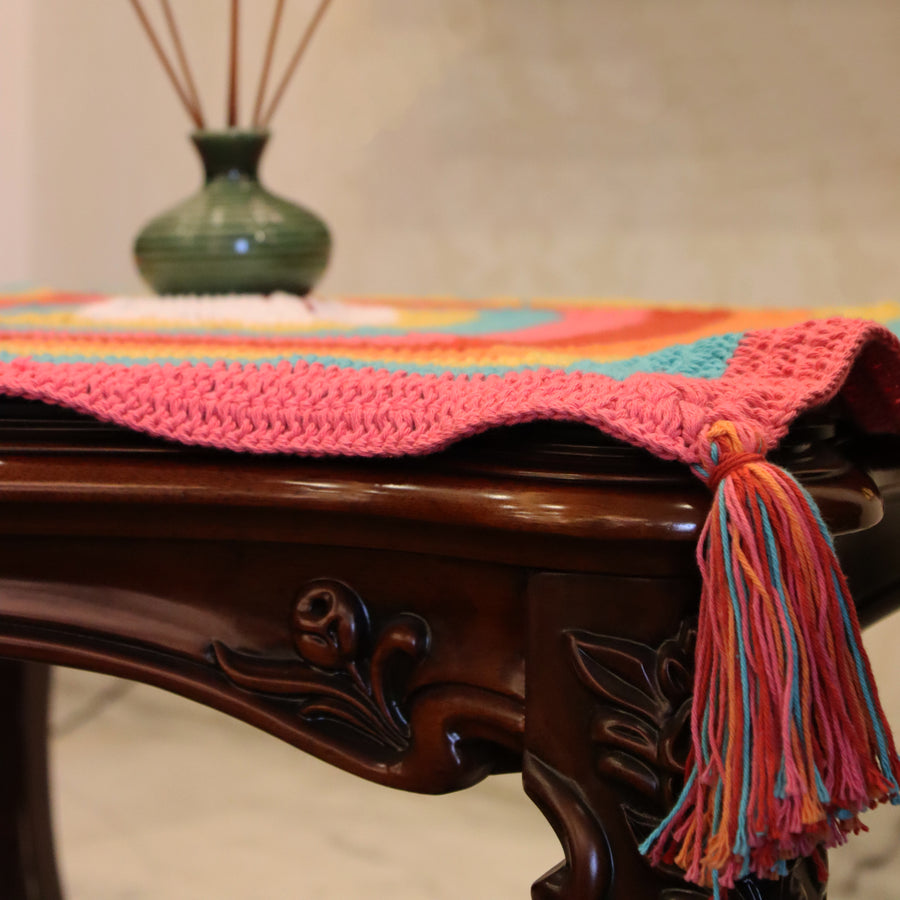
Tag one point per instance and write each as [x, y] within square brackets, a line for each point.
[522, 601]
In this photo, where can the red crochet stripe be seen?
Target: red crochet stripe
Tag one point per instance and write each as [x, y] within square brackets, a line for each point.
[774, 376]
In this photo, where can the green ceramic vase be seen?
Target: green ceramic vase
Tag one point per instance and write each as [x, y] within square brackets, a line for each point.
[233, 236]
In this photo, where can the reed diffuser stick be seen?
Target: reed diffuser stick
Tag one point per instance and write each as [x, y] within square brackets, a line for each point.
[182, 60]
[295, 61]
[233, 65]
[167, 66]
[267, 64]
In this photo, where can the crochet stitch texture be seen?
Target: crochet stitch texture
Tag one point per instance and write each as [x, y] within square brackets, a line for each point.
[368, 377]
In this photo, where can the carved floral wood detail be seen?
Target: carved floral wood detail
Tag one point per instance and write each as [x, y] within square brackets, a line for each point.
[641, 730]
[341, 672]
[641, 737]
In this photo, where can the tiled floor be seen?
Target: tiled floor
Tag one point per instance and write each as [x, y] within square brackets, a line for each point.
[160, 798]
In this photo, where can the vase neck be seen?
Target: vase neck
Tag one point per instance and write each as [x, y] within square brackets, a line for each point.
[233, 155]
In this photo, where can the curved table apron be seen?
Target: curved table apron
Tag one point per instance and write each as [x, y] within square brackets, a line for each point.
[523, 601]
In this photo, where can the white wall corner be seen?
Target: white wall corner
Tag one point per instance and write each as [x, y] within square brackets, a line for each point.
[16, 141]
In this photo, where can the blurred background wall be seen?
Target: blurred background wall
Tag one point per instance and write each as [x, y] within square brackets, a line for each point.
[17, 91]
[739, 152]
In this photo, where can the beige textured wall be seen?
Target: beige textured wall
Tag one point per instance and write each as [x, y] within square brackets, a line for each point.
[741, 152]
[16, 140]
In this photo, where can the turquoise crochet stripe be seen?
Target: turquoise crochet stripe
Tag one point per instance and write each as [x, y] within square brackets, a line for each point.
[706, 358]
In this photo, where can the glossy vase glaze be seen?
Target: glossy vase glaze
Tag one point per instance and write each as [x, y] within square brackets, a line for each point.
[233, 236]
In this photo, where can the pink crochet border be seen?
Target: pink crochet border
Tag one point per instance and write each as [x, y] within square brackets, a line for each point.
[774, 376]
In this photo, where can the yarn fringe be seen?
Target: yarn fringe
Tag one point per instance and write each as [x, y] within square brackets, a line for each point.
[791, 743]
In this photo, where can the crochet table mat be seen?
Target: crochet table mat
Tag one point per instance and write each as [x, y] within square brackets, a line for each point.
[386, 377]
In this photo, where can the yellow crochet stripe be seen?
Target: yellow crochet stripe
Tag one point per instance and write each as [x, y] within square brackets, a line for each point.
[486, 353]
[407, 319]
[413, 315]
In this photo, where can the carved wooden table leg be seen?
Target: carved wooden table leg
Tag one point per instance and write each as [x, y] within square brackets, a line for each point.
[608, 675]
[27, 862]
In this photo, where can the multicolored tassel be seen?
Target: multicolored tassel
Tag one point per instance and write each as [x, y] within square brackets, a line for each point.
[789, 741]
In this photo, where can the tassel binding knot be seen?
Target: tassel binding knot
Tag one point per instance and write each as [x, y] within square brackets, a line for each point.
[789, 743]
